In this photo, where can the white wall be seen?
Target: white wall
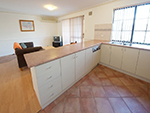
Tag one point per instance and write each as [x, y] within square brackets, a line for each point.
[10, 32]
[102, 14]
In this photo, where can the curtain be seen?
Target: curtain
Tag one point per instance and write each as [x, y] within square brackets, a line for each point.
[72, 30]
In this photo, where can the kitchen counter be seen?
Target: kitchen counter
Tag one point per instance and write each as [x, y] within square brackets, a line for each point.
[40, 57]
[135, 46]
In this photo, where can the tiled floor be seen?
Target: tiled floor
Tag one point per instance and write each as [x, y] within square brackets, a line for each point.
[104, 90]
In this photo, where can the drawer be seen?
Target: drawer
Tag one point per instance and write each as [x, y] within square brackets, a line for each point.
[47, 67]
[45, 98]
[48, 77]
[50, 86]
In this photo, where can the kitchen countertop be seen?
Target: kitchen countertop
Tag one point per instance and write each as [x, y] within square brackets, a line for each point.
[40, 57]
[134, 46]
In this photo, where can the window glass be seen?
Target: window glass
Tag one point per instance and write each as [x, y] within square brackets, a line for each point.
[132, 24]
[147, 39]
[138, 37]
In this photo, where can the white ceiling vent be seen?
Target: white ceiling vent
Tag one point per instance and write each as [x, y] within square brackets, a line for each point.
[90, 13]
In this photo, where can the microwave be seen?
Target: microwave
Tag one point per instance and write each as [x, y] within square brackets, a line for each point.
[57, 38]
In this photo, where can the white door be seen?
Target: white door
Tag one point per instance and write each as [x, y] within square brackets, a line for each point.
[105, 53]
[129, 60]
[89, 60]
[143, 66]
[96, 57]
[80, 64]
[68, 70]
[116, 56]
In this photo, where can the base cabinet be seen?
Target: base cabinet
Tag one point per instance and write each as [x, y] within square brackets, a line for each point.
[89, 59]
[96, 57]
[68, 70]
[105, 53]
[116, 56]
[80, 64]
[129, 60]
[143, 66]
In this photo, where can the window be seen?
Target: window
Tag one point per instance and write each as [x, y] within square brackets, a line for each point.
[132, 24]
[72, 30]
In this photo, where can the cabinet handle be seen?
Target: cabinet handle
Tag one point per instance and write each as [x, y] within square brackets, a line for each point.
[51, 86]
[48, 68]
[52, 94]
[49, 77]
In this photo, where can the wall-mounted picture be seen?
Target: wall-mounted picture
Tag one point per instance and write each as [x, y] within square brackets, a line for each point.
[26, 25]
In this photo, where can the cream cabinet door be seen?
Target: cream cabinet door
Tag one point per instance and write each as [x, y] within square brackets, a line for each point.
[68, 70]
[80, 64]
[89, 59]
[105, 53]
[116, 56]
[129, 60]
[96, 57]
[143, 66]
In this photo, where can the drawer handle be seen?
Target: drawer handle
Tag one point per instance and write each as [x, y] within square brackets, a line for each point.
[51, 86]
[52, 94]
[48, 68]
[49, 77]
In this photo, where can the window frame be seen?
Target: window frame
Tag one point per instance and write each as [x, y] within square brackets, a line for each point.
[133, 25]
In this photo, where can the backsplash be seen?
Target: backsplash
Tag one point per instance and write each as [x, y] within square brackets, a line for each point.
[103, 31]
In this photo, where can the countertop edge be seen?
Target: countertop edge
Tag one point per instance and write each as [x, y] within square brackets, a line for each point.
[69, 53]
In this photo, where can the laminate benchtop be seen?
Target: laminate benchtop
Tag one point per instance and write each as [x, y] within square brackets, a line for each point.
[40, 57]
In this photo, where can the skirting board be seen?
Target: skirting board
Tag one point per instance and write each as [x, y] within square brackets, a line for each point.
[127, 73]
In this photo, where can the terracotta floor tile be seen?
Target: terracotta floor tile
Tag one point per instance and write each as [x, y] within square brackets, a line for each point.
[97, 69]
[94, 80]
[109, 72]
[136, 91]
[74, 93]
[60, 98]
[86, 91]
[118, 105]
[105, 81]
[118, 74]
[49, 107]
[78, 83]
[111, 91]
[88, 105]
[103, 105]
[42, 111]
[58, 108]
[72, 105]
[145, 102]
[116, 81]
[123, 91]
[86, 82]
[100, 74]
[127, 81]
[134, 105]
[98, 91]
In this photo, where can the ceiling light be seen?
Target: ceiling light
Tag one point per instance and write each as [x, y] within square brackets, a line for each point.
[50, 7]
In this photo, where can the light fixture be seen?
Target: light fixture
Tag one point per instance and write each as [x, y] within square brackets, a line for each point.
[50, 7]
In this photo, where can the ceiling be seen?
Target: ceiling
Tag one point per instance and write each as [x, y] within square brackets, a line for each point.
[36, 7]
